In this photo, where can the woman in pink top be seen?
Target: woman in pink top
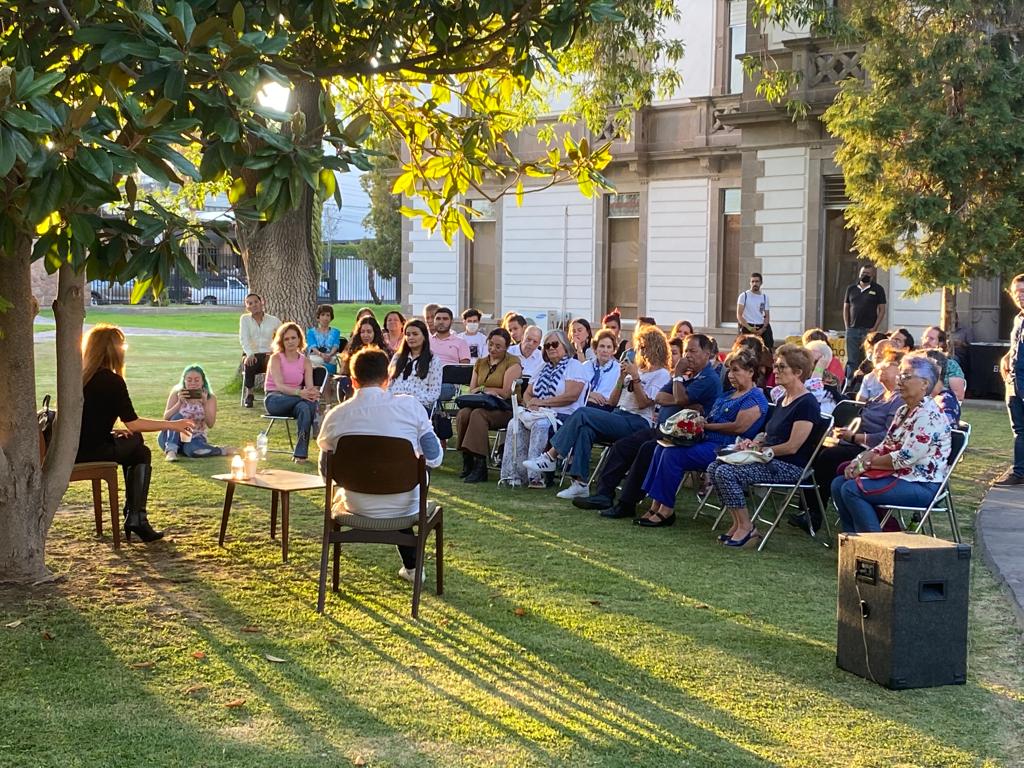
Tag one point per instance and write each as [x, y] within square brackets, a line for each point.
[289, 385]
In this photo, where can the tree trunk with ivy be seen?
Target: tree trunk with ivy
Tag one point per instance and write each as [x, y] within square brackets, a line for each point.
[280, 257]
[31, 488]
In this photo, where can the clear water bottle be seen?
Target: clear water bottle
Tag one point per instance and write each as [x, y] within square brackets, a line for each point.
[261, 444]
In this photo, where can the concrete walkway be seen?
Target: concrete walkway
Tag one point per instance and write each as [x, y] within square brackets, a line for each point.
[1000, 537]
[49, 335]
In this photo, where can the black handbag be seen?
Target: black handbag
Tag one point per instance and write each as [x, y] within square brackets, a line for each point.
[483, 400]
[46, 418]
[442, 426]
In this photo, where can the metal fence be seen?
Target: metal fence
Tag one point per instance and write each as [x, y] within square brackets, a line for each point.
[348, 280]
[343, 280]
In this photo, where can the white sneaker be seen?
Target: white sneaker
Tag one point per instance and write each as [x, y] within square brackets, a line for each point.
[410, 574]
[543, 463]
[170, 455]
[574, 491]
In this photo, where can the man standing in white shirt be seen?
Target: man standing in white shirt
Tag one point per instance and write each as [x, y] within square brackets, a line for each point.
[372, 410]
[528, 351]
[477, 341]
[752, 312]
[255, 332]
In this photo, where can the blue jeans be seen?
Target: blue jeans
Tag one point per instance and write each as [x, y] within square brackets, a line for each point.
[303, 411]
[1015, 406]
[857, 512]
[197, 447]
[587, 425]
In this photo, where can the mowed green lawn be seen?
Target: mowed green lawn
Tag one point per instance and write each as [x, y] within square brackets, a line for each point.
[563, 639]
[206, 320]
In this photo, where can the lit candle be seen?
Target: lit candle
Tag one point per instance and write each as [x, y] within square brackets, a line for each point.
[237, 468]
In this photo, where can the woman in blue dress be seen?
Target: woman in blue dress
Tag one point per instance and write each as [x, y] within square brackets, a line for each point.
[737, 414]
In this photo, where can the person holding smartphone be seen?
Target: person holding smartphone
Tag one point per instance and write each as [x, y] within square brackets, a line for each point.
[191, 398]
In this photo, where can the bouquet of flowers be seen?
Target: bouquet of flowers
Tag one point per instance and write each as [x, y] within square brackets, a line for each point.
[685, 427]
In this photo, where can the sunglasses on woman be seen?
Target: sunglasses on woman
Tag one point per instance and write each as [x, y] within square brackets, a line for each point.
[552, 345]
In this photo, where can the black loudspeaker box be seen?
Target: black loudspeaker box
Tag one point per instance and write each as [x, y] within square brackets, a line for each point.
[902, 609]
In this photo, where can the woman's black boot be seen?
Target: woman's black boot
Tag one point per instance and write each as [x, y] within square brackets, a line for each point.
[467, 464]
[478, 474]
[136, 496]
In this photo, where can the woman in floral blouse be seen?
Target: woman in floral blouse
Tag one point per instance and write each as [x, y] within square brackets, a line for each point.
[414, 370]
[908, 466]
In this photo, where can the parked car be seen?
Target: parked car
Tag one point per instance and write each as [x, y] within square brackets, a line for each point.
[112, 292]
[218, 289]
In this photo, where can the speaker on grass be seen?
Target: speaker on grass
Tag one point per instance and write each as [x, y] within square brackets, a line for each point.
[902, 609]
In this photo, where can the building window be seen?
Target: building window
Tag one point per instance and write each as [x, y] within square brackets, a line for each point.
[483, 259]
[841, 265]
[731, 285]
[737, 44]
[623, 257]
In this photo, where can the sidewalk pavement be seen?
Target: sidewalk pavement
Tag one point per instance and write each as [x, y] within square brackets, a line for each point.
[1000, 537]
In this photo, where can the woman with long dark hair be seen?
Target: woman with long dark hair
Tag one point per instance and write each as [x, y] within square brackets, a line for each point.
[414, 369]
[367, 333]
[105, 401]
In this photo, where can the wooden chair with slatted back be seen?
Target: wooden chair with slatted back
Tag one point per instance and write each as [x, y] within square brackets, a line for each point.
[374, 464]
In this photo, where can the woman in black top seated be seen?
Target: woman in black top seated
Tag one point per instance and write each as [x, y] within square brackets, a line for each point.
[105, 401]
[786, 433]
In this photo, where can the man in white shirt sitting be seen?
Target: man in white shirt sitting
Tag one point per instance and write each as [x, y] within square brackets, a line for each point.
[477, 341]
[255, 332]
[372, 410]
[529, 351]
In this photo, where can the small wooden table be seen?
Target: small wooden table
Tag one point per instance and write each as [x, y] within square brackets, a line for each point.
[280, 483]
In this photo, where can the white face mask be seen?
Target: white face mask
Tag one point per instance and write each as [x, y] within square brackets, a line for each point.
[472, 328]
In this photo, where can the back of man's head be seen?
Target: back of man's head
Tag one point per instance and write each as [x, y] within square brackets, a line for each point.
[369, 367]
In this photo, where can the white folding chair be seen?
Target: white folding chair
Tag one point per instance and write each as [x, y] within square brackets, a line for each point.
[943, 500]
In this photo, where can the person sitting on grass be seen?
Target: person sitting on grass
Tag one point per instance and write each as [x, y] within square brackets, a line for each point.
[290, 390]
[787, 433]
[737, 414]
[191, 398]
[374, 410]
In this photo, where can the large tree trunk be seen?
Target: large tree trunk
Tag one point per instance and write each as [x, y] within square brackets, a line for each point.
[279, 257]
[947, 311]
[30, 490]
[371, 275]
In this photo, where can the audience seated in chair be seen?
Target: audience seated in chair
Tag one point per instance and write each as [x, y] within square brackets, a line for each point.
[494, 374]
[695, 385]
[323, 344]
[633, 399]
[415, 370]
[552, 396]
[290, 388]
[373, 410]
[908, 466]
[737, 415]
[786, 433]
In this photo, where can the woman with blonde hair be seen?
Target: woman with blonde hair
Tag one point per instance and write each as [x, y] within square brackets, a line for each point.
[633, 403]
[289, 385]
[105, 400]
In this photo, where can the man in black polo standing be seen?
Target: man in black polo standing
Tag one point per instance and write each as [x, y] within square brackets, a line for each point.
[863, 313]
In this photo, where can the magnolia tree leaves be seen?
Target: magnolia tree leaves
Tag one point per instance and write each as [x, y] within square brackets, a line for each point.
[103, 103]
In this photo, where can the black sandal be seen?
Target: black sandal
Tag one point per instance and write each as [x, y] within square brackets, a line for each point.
[662, 521]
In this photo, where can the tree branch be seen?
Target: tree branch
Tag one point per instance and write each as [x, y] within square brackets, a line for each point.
[69, 314]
